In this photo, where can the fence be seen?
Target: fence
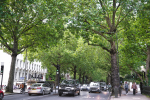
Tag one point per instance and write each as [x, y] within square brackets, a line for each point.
[146, 90]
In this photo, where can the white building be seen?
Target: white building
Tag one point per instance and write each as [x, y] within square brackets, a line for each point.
[31, 68]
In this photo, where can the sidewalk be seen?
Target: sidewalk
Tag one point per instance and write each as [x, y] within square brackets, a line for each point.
[130, 96]
[15, 91]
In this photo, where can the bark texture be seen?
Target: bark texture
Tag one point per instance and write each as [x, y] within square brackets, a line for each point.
[147, 63]
[9, 87]
[114, 68]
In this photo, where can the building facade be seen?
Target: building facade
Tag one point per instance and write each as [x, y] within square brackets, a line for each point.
[24, 70]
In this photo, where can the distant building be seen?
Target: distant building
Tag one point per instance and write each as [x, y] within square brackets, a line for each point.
[33, 69]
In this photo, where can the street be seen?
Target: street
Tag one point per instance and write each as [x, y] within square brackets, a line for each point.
[84, 95]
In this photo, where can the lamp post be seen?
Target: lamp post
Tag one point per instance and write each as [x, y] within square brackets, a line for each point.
[2, 69]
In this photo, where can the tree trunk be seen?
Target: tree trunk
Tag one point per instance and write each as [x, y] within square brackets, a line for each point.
[114, 68]
[147, 63]
[83, 79]
[75, 71]
[80, 75]
[9, 87]
[86, 78]
[109, 79]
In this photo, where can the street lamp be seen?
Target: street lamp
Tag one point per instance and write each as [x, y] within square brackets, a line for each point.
[2, 69]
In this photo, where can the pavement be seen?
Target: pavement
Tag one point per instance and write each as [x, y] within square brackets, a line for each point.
[123, 96]
[130, 96]
[17, 91]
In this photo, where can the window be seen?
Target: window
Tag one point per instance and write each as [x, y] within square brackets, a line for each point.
[17, 63]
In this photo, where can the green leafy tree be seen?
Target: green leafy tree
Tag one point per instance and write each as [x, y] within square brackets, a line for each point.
[22, 24]
[100, 23]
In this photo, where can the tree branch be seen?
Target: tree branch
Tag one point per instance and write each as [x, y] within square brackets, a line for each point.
[136, 73]
[105, 27]
[100, 46]
[123, 18]
[5, 44]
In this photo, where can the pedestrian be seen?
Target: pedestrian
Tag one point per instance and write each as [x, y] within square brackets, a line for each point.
[126, 87]
[109, 87]
[22, 88]
[134, 87]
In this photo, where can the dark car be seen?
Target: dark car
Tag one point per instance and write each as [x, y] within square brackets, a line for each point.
[70, 86]
[1, 94]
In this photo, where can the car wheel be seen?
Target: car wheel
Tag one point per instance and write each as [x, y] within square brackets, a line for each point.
[1, 96]
[60, 94]
[74, 93]
[49, 92]
[43, 93]
[29, 94]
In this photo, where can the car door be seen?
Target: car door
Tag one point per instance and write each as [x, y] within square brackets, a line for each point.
[44, 88]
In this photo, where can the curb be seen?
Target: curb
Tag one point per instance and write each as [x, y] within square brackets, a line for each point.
[5, 94]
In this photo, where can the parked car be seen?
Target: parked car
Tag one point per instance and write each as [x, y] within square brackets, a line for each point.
[1, 94]
[84, 87]
[70, 86]
[48, 83]
[39, 88]
[103, 86]
[95, 87]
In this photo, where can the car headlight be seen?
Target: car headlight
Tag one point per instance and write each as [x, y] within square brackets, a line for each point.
[72, 88]
[59, 87]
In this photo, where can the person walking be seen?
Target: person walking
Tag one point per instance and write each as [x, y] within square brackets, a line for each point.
[134, 87]
[109, 87]
[126, 87]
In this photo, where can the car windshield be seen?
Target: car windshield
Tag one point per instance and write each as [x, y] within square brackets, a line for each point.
[67, 82]
[102, 84]
[84, 85]
[94, 84]
[36, 85]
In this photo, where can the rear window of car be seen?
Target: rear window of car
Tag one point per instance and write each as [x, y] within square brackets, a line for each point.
[68, 82]
[36, 85]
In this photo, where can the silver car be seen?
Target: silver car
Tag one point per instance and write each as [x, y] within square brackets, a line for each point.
[39, 88]
[103, 86]
[95, 87]
[84, 87]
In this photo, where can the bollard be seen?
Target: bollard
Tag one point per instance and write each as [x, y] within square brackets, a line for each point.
[116, 92]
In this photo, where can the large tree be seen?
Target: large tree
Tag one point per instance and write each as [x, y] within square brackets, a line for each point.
[101, 20]
[22, 25]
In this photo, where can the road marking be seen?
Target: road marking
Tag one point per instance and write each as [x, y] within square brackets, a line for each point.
[94, 98]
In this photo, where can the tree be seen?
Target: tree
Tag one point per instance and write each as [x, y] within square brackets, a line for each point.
[100, 23]
[21, 26]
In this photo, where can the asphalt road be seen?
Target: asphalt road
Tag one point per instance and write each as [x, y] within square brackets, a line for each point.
[84, 95]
